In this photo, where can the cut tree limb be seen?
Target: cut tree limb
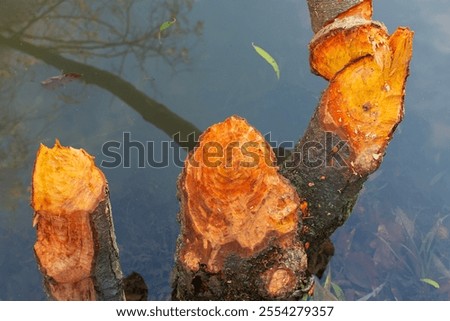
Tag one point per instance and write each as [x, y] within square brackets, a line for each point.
[76, 247]
[239, 221]
[355, 120]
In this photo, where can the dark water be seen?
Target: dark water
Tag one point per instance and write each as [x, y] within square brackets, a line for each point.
[196, 73]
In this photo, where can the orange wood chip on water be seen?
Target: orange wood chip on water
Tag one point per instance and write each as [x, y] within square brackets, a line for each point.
[233, 199]
[66, 188]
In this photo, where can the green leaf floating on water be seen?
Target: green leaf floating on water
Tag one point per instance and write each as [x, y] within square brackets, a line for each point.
[267, 57]
[164, 26]
[338, 291]
[167, 24]
[431, 282]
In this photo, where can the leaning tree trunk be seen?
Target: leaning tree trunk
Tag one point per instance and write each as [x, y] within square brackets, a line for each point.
[237, 239]
[76, 247]
[354, 122]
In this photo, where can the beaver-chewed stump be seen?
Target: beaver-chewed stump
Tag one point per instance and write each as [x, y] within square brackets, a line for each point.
[239, 219]
[354, 122]
[76, 247]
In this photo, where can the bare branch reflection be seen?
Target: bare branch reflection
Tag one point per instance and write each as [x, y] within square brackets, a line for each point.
[74, 35]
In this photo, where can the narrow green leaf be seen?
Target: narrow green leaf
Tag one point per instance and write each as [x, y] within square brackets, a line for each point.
[338, 291]
[267, 57]
[167, 24]
[321, 293]
[164, 26]
[431, 282]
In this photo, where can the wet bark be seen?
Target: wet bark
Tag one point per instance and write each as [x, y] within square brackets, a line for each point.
[323, 12]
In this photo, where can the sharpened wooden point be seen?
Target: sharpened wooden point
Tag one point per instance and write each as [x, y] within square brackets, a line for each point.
[66, 180]
[76, 247]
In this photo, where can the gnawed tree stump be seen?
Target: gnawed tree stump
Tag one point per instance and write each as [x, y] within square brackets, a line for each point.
[348, 135]
[239, 220]
[76, 247]
[344, 143]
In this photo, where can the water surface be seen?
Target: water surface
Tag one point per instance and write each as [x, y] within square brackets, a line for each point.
[196, 73]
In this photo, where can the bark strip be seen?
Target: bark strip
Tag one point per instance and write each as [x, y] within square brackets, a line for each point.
[76, 248]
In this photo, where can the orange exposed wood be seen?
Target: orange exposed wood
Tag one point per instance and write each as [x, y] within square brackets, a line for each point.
[324, 12]
[73, 222]
[234, 200]
[355, 119]
[62, 199]
[364, 102]
[343, 42]
[239, 220]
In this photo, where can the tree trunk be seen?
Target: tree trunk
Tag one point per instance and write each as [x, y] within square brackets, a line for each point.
[239, 221]
[76, 247]
[348, 135]
[323, 12]
[229, 248]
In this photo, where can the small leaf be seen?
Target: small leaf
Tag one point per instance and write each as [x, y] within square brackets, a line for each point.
[164, 26]
[167, 24]
[431, 282]
[338, 291]
[267, 57]
[60, 80]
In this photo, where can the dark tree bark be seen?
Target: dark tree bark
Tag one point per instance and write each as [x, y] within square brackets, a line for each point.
[323, 12]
